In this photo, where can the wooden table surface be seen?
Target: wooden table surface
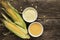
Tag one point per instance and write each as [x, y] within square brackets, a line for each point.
[48, 16]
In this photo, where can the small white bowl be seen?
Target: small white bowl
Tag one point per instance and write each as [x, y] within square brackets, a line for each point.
[32, 34]
[29, 14]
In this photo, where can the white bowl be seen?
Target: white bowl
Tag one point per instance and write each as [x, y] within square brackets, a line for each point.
[40, 32]
[29, 14]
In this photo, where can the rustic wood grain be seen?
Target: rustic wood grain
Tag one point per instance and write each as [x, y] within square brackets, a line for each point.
[48, 16]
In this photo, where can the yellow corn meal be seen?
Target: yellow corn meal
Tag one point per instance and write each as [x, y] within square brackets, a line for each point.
[35, 29]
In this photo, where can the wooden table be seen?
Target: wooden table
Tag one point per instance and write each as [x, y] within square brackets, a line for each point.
[48, 15]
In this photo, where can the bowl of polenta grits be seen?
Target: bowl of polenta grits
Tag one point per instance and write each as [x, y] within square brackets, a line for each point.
[35, 29]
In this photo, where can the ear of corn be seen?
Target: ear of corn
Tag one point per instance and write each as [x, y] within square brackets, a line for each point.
[16, 29]
[13, 13]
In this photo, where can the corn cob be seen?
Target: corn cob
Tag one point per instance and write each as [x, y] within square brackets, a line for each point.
[13, 13]
[16, 29]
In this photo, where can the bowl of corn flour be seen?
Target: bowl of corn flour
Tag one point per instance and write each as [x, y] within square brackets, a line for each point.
[29, 14]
